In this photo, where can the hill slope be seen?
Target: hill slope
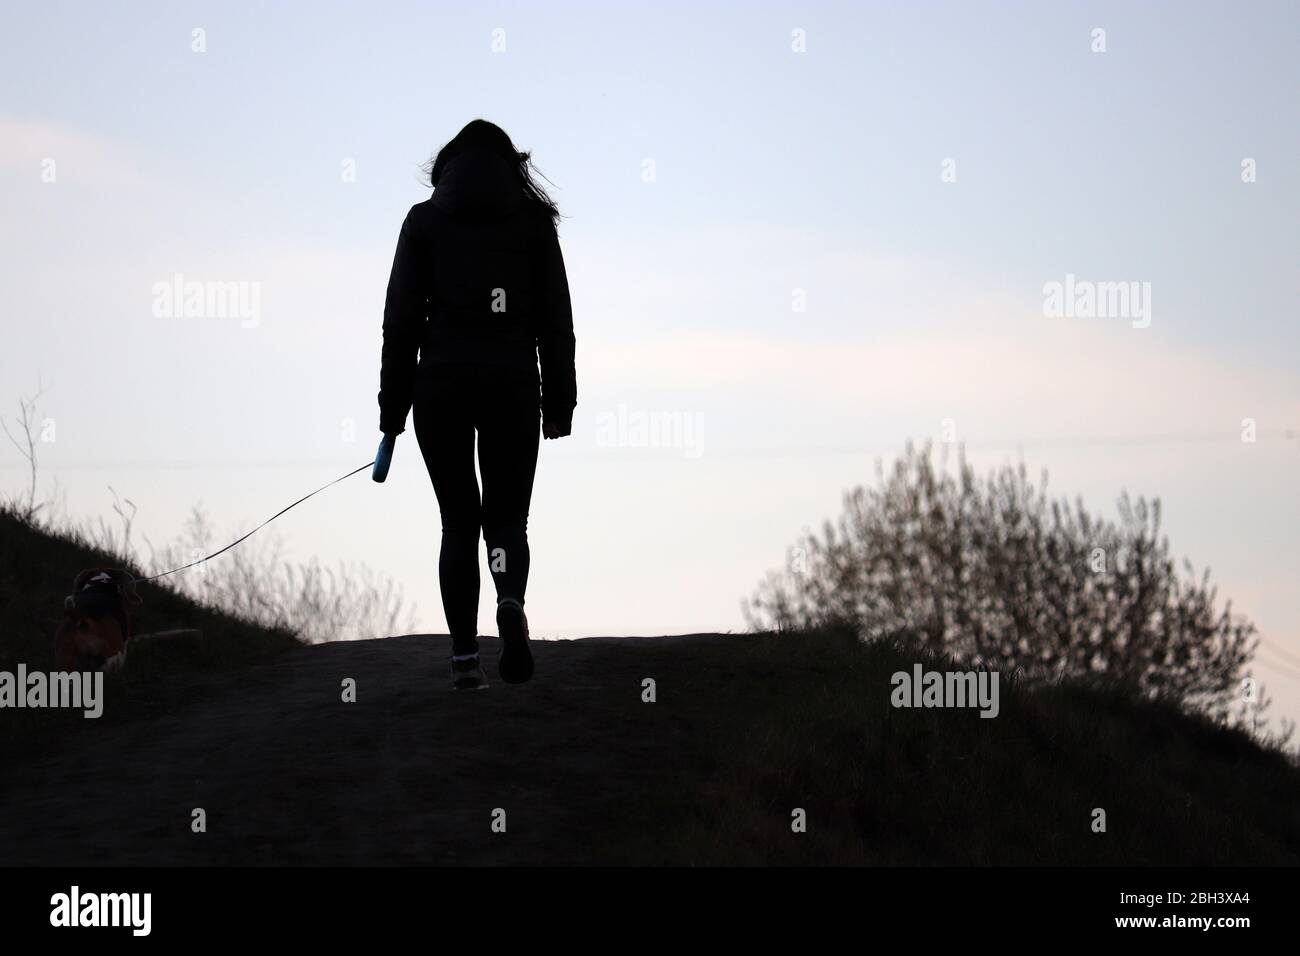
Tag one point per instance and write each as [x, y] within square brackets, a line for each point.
[744, 730]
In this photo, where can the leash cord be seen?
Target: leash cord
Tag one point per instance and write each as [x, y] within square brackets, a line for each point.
[164, 574]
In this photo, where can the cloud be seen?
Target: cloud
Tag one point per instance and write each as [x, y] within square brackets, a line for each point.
[1054, 376]
[80, 157]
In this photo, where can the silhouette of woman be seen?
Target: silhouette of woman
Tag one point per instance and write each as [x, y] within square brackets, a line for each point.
[478, 288]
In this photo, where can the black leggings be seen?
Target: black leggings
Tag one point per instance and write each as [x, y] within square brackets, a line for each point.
[504, 406]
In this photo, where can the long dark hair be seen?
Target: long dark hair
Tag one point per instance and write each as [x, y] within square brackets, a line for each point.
[479, 133]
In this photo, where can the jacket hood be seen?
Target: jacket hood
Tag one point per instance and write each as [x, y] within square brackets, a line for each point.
[478, 184]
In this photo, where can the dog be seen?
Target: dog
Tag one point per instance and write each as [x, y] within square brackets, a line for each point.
[96, 623]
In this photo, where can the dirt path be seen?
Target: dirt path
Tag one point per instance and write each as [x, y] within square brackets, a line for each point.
[410, 773]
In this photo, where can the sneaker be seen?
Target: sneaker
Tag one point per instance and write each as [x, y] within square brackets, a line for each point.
[515, 663]
[468, 674]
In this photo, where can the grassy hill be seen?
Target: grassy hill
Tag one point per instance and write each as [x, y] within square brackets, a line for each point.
[250, 726]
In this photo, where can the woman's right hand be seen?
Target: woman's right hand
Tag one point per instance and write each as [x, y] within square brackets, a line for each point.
[555, 430]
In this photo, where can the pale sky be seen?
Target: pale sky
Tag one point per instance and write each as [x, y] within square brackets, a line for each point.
[285, 155]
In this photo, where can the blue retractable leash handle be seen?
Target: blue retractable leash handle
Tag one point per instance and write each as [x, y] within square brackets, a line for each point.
[383, 457]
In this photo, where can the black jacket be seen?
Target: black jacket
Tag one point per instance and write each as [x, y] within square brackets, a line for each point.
[478, 279]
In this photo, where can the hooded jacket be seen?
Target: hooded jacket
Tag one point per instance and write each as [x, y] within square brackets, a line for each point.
[478, 279]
